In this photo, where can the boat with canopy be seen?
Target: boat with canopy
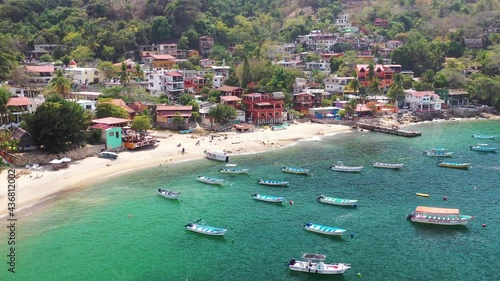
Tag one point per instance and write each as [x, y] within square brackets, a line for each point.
[314, 263]
[441, 216]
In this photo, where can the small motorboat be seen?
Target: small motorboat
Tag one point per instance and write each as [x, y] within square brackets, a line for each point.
[268, 198]
[108, 155]
[168, 194]
[328, 230]
[454, 165]
[343, 168]
[217, 156]
[337, 201]
[438, 153]
[272, 182]
[298, 171]
[422, 194]
[485, 137]
[233, 171]
[201, 227]
[314, 264]
[210, 180]
[482, 148]
[388, 165]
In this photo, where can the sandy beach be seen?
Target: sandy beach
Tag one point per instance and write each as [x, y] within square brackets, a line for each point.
[32, 189]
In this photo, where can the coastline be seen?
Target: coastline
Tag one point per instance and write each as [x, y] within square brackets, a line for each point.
[31, 191]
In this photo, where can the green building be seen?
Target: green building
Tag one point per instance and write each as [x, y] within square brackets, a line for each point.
[112, 137]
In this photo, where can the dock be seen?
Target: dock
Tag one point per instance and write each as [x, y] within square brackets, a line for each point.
[392, 131]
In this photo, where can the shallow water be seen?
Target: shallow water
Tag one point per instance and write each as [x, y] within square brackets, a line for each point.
[122, 230]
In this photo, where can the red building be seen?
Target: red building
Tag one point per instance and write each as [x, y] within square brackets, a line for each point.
[231, 91]
[263, 108]
[302, 102]
[384, 74]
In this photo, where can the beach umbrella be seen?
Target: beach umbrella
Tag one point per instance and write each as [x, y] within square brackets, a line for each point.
[66, 159]
[56, 161]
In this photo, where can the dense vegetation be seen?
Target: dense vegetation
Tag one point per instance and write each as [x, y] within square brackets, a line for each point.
[111, 30]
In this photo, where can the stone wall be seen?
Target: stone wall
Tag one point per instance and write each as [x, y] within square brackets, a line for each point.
[41, 158]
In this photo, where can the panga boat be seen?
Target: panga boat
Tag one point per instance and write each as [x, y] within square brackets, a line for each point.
[233, 171]
[217, 156]
[337, 201]
[328, 230]
[454, 165]
[291, 170]
[268, 198]
[443, 216]
[272, 182]
[388, 165]
[422, 194]
[485, 137]
[168, 194]
[210, 180]
[201, 227]
[482, 148]
[278, 127]
[343, 168]
[108, 154]
[438, 153]
[314, 264]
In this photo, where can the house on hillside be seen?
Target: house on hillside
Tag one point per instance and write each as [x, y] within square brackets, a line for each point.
[40, 74]
[231, 91]
[233, 101]
[302, 102]
[206, 45]
[162, 61]
[165, 116]
[422, 101]
[17, 107]
[383, 72]
[263, 108]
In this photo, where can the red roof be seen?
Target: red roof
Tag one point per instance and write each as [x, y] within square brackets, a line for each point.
[226, 88]
[39, 68]
[72, 62]
[229, 98]
[100, 126]
[18, 101]
[174, 108]
[110, 121]
[177, 74]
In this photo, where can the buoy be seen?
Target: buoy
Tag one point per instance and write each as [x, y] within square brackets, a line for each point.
[359, 274]
[484, 225]
[291, 202]
[129, 215]
[444, 198]
[352, 235]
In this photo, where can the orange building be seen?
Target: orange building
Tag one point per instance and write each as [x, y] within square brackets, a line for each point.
[384, 73]
[263, 109]
[163, 61]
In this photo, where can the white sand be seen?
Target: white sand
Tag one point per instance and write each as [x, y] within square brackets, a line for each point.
[82, 173]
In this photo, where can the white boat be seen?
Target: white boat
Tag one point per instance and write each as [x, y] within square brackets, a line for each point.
[168, 194]
[484, 137]
[343, 168]
[210, 180]
[442, 216]
[314, 264]
[108, 154]
[438, 153]
[337, 201]
[387, 165]
[482, 148]
[217, 156]
[201, 227]
[323, 229]
[268, 198]
[298, 171]
[233, 171]
[272, 182]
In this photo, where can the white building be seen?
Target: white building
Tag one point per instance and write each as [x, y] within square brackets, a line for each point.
[319, 65]
[334, 84]
[218, 81]
[155, 84]
[87, 104]
[174, 83]
[342, 21]
[84, 75]
[422, 101]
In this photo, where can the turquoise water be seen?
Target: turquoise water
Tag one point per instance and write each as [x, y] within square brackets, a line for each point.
[122, 230]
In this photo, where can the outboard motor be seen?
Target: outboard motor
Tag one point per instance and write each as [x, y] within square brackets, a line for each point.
[409, 216]
[292, 262]
[189, 224]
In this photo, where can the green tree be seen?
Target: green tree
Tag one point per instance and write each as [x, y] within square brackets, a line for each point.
[106, 109]
[46, 58]
[160, 29]
[178, 120]
[247, 74]
[222, 113]
[4, 109]
[185, 98]
[58, 125]
[141, 123]
[354, 86]
[123, 74]
[335, 64]
[82, 54]
[108, 69]
[60, 85]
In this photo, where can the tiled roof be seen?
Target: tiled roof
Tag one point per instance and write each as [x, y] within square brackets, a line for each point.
[39, 68]
[110, 121]
[22, 101]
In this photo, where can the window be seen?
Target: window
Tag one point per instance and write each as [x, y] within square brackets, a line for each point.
[88, 106]
[111, 134]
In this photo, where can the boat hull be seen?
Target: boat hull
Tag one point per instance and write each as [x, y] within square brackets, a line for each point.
[441, 221]
[297, 171]
[222, 157]
[423, 194]
[206, 230]
[210, 180]
[326, 230]
[169, 195]
[346, 169]
[484, 137]
[484, 148]
[270, 199]
[388, 166]
[273, 183]
[319, 268]
[229, 171]
[462, 166]
[338, 201]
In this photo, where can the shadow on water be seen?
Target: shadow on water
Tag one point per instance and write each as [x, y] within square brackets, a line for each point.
[311, 276]
[339, 238]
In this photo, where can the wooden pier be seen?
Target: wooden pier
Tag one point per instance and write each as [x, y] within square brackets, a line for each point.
[392, 131]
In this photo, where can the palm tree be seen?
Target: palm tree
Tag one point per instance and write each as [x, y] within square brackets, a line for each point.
[371, 73]
[138, 72]
[373, 88]
[350, 107]
[354, 85]
[123, 74]
[4, 110]
[61, 85]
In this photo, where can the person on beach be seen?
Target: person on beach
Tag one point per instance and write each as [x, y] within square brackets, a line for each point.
[183, 150]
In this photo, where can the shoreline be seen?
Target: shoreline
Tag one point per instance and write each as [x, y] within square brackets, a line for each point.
[32, 191]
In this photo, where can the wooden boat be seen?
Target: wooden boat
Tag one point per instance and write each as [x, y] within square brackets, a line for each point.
[484, 148]
[168, 194]
[337, 201]
[343, 168]
[186, 131]
[217, 156]
[454, 165]
[442, 216]
[272, 182]
[278, 127]
[422, 194]
[233, 171]
[108, 155]
[328, 230]
[485, 137]
[299, 171]
[313, 263]
[438, 153]
[388, 165]
[268, 198]
[210, 180]
[201, 227]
